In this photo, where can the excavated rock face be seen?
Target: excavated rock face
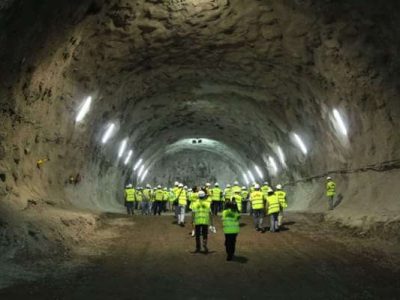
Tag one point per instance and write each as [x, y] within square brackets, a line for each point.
[244, 75]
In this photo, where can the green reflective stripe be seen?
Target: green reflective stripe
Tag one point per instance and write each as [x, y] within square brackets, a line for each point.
[216, 194]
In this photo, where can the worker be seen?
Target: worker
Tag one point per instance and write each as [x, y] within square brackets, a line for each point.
[158, 200]
[236, 187]
[282, 202]
[330, 192]
[231, 227]
[227, 193]
[265, 188]
[201, 218]
[237, 199]
[171, 199]
[257, 200]
[165, 199]
[139, 198]
[216, 198]
[182, 202]
[194, 197]
[273, 210]
[245, 199]
[147, 195]
[129, 199]
[175, 202]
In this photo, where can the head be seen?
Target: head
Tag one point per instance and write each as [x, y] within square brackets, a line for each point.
[216, 184]
[165, 189]
[176, 183]
[129, 186]
[180, 185]
[236, 183]
[328, 178]
[202, 195]
[257, 187]
[265, 182]
[244, 188]
[148, 186]
[279, 187]
[195, 189]
[159, 186]
[208, 185]
[230, 205]
[270, 192]
[228, 186]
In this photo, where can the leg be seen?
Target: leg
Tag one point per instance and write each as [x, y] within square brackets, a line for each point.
[204, 233]
[261, 219]
[280, 217]
[255, 217]
[183, 214]
[229, 248]
[272, 223]
[197, 230]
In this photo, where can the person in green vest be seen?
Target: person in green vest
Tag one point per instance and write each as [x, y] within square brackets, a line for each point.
[330, 192]
[227, 193]
[201, 218]
[194, 197]
[257, 200]
[273, 207]
[230, 223]
[182, 202]
[216, 197]
[139, 198]
[171, 199]
[245, 199]
[147, 196]
[165, 199]
[282, 203]
[129, 199]
[158, 197]
[237, 199]
[265, 188]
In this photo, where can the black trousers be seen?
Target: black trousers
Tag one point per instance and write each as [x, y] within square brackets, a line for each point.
[200, 230]
[129, 208]
[157, 207]
[230, 243]
[215, 207]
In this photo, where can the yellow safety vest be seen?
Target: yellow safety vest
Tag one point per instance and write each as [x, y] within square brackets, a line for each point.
[330, 188]
[228, 194]
[238, 200]
[130, 195]
[245, 194]
[139, 196]
[159, 195]
[257, 200]
[201, 210]
[235, 189]
[230, 221]
[281, 198]
[273, 204]
[147, 194]
[166, 196]
[216, 194]
[182, 194]
[265, 189]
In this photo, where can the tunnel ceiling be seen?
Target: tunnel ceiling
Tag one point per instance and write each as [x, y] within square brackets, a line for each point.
[246, 74]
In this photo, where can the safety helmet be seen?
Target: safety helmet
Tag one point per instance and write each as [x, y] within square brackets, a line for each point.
[185, 187]
[328, 178]
[279, 187]
[257, 186]
[148, 186]
[236, 183]
[244, 188]
[159, 186]
[228, 185]
[181, 185]
[208, 184]
[165, 189]
[202, 194]
[216, 184]
[176, 183]
[265, 182]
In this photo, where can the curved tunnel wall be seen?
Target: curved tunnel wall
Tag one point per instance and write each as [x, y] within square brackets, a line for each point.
[246, 74]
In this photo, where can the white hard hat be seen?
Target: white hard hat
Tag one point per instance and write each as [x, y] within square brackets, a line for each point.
[244, 188]
[180, 185]
[208, 184]
[265, 182]
[328, 178]
[148, 186]
[165, 189]
[185, 187]
[129, 186]
[270, 190]
[279, 187]
[159, 186]
[216, 184]
[228, 185]
[257, 186]
[236, 183]
[202, 194]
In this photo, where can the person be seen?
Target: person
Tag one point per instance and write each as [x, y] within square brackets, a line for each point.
[216, 198]
[245, 199]
[237, 199]
[171, 199]
[230, 223]
[139, 198]
[182, 202]
[194, 197]
[282, 203]
[257, 200]
[236, 188]
[176, 190]
[147, 194]
[227, 193]
[265, 188]
[273, 210]
[207, 189]
[165, 199]
[330, 192]
[129, 199]
[201, 218]
[158, 197]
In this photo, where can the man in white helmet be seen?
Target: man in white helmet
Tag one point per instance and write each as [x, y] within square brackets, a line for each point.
[258, 200]
[282, 202]
[147, 197]
[201, 218]
[182, 202]
[158, 197]
[130, 199]
[330, 192]
[236, 188]
[175, 191]
[228, 193]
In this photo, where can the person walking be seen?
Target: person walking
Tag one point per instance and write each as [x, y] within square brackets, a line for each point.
[182, 202]
[231, 227]
[257, 200]
[216, 197]
[273, 210]
[282, 203]
[330, 192]
[245, 199]
[201, 218]
[129, 199]
[158, 197]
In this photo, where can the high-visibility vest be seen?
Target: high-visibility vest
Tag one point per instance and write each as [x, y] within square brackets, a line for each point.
[182, 194]
[273, 204]
[159, 195]
[139, 196]
[147, 194]
[265, 189]
[257, 200]
[172, 196]
[201, 210]
[235, 189]
[166, 196]
[216, 194]
[176, 190]
[330, 188]
[230, 221]
[281, 198]
[238, 200]
[228, 194]
[245, 194]
[130, 195]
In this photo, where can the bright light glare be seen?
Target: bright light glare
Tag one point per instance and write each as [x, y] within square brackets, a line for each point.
[140, 170]
[251, 176]
[122, 147]
[246, 179]
[108, 133]
[144, 175]
[137, 165]
[340, 122]
[260, 174]
[281, 156]
[128, 157]
[84, 109]
[300, 143]
[273, 164]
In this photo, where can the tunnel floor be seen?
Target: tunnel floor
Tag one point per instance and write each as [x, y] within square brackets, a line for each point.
[151, 258]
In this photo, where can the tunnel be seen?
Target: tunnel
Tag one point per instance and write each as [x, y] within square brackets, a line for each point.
[99, 94]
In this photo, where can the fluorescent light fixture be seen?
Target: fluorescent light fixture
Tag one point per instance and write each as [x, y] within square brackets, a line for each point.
[281, 156]
[251, 176]
[122, 148]
[128, 157]
[144, 175]
[137, 165]
[246, 179]
[340, 122]
[260, 174]
[300, 143]
[108, 133]
[84, 109]
[273, 165]
[140, 170]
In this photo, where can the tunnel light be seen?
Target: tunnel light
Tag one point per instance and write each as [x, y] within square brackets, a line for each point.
[84, 109]
[273, 164]
[246, 179]
[260, 174]
[128, 157]
[251, 176]
[122, 148]
[108, 133]
[141, 170]
[281, 156]
[340, 122]
[137, 165]
[300, 143]
[144, 175]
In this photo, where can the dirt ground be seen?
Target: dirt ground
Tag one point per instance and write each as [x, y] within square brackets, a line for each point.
[150, 258]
